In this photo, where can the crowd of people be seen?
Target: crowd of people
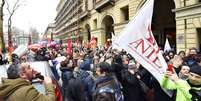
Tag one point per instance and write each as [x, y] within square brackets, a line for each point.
[102, 74]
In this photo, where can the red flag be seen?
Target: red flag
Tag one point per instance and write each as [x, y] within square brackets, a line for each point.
[10, 45]
[93, 42]
[69, 47]
[76, 33]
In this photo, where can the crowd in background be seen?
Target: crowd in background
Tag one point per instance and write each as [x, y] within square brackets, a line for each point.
[105, 74]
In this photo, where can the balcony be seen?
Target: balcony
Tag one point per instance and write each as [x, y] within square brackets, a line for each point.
[100, 4]
[83, 14]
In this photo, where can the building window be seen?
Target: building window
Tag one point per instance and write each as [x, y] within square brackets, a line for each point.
[124, 14]
[95, 23]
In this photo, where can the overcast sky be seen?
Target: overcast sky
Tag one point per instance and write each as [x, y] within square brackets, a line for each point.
[34, 13]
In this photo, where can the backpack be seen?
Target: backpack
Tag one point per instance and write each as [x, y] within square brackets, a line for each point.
[104, 94]
[108, 90]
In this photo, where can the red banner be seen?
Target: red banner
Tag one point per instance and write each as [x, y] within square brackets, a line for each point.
[69, 47]
[93, 42]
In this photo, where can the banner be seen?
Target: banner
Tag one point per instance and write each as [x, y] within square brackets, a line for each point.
[93, 42]
[69, 47]
[138, 40]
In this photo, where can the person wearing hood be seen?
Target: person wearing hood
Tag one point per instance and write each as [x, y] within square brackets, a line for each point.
[86, 76]
[17, 87]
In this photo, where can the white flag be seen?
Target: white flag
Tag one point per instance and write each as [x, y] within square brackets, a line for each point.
[167, 47]
[137, 39]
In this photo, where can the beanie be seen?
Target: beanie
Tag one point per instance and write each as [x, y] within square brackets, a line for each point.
[196, 69]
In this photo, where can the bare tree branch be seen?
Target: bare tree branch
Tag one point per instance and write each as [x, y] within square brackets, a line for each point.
[11, 11]
[2, 5]
[16, 6]
[8, 7]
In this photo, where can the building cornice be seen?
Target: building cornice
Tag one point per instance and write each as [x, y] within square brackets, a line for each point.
[122, 23]
[63, 9]
[187, 12]
[103, 3]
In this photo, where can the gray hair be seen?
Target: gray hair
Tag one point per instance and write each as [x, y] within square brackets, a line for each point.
[13, 71]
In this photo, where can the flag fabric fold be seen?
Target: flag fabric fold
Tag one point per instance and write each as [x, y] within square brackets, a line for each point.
[138, 40]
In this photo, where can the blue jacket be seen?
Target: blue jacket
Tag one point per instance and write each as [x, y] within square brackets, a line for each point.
[66, 75]
[87, 80]
[86, 64]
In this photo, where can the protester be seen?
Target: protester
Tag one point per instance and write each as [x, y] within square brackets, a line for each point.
[106, 83]
[185, 91]
[184, 72]
[194, 80]
[190, 58]
[67, 74]
[119, 80]
[172, 82]
[75, 90]
[117, 67]
[182, 54]
[177, 61]
[17, 87]
[131, 84]
[86, 76]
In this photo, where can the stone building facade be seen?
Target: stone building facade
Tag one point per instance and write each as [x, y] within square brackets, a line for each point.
[67, 20]
[188, 24]
[178, 21]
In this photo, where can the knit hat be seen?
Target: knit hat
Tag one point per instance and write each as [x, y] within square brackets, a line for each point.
[196, 69]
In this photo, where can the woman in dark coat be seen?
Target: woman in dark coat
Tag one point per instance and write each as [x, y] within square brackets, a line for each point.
[131, 87]
[72, 88]
[75, 90]
[66, 75]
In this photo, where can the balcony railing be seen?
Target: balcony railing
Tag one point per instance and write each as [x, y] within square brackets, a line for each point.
[83, 14]
[100, 4]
